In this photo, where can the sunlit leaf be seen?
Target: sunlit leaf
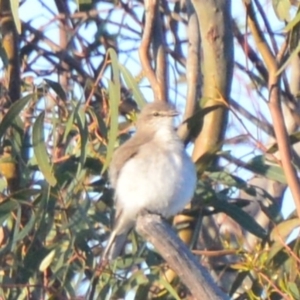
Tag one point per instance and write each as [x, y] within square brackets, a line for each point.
[115, 66]
[168, 287]
[258, 165]
[114, 99]
[293, 23]
[288, 61]
[282, 9]
[133, 86]
[14, 4]
[284, 229]
[294, 290]
[47, 261]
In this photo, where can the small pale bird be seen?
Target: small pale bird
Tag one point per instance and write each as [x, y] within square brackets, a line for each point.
[150, 172]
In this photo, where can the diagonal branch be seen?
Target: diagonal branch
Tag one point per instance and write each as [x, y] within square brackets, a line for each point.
[179, 257]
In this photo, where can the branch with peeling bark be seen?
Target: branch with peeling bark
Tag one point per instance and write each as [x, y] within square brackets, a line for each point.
[178, 256]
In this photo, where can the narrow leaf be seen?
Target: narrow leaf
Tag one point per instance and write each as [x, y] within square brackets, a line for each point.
[293, 23]
[6, 207]
[14, 4]
[70, 121]
[27, 228]
[45, 263]
[284, 229]
[240, 216]
[114, 99]
[83, 131]
[282, 9]
[57, 88]
[115, 66]
[169, 288]
[132, 85]
[259, 166]
[13, 112]
[288, 61]
[40, 151]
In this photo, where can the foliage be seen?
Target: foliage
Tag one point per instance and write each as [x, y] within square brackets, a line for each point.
[56, 205]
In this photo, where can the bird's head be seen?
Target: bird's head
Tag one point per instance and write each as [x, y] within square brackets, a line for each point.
[156, 115]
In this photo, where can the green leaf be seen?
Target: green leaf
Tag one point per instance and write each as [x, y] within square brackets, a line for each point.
[282, 9]
[45, 263]
[4, 57]
[294, 289]
[240, 216]
[13, 112]
[115, 66]
[114, 99]
[40, 151]
[132, 85]
[70, 121]
[16, 227]
[85, 5]
[83, 131]
[101, 123]
[27, 228]
[57, 89]
[288, 61]
[282, 231]
[168, 287]
[14, 4]
[6, 207]
[259, 166]
[227, 179]
[293, 23]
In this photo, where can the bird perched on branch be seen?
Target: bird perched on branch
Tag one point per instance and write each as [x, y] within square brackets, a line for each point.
[150, 172]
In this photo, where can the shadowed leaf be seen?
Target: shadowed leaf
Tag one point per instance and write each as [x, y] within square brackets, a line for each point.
[13, 112]
[40, 150]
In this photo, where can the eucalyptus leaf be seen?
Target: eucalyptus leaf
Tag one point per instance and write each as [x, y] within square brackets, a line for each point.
[13, 112]
[40, 150]
[241, 217]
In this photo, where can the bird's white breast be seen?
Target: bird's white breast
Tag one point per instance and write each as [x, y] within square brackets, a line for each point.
[161, 181]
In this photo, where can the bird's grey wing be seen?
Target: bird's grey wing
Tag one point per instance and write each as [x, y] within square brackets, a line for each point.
[117, 237]
[122, 225]
[125, 152]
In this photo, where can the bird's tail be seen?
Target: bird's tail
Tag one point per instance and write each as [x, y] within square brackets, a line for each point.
[114, 246]
[118, 237]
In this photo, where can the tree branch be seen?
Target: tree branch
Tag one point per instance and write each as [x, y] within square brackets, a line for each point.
[179, 257]
[275, 107]
[150, 9]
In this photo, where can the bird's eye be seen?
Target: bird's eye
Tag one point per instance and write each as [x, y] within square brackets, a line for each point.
[155, 114]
